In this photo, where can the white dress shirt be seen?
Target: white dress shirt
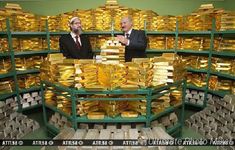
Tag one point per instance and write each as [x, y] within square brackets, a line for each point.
[129, 32]
[73, 36]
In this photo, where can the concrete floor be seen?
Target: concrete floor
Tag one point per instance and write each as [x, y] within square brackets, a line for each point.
[41, 132]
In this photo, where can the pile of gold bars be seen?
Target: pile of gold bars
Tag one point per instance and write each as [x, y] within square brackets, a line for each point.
[89, 76]
[167, 69]
[216, 83]
[28, 63]
[6, 86]
[201, 19]
[161, 42]
[175, 96]
[227, 20]
[102, 18]
[196, 62]
[3, 44]
[21, 20]
[227, 44]
[194, 43]
[111, 76]
[160, 104]
[145, 74]
[2, 20]
[86, 106]
[112, 52]
[32, 44]
[54, 43]
[66, 75]
[48, 69]
[98, 109]
[64, 103]
[50, 96]
[163, 23]
[5, 65]
[28, 81]
[223, 65]
[198, 80]
[98, 41]
[53, 23]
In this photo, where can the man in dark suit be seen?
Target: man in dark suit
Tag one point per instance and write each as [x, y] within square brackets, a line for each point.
[135, 41]
[75, 44]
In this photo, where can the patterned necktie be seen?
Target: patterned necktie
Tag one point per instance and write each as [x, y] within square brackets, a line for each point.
[77, 43]
[127, 36]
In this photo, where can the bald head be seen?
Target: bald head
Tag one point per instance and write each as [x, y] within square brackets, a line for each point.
[126, 23]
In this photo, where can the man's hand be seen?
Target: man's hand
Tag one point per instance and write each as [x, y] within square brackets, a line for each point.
[122, 39]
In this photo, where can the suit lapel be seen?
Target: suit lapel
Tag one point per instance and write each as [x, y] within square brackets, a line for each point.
[73, 42]
[132, 34]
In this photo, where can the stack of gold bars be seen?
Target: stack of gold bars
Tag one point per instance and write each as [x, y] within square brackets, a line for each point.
[137, 106]
[216, 83]
[85, 107]
[27, 22]
[3, 45]
[16, 44]
[54, 43]
[98, 41]
[160, 104]
[66, 75]
[194, 43]
[198, 80]
[197, 62]
[32, 44]
[161, 42]
[28, 81]
[227, 21]
[111, 76]
[64, 103]
[201, 19]
[6, 86]
[132, 76]
[227, 44]
[176, 96]
[222, 65]
[102, 18]
[112, 52]
[48, 69]
[53, 23]
[163, 23]
[167, 69]
[89, 77]
[50, 96]
[2, 20]
[5, 66]
[28, 63]
[145, 74]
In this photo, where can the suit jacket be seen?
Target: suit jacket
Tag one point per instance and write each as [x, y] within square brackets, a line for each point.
[69, 49]
[137, 45]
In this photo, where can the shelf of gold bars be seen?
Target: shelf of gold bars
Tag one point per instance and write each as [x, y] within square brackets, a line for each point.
[101, 18]
[111, 72]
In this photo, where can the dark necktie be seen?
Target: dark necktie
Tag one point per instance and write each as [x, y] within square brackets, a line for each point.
[77, 43]
[127, 36]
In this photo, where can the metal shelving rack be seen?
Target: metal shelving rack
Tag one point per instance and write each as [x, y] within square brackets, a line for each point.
[47, 34]
[148, 93]
[12, 54]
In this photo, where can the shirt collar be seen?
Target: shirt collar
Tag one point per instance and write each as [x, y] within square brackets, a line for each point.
[129, 32]
[73, 34]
